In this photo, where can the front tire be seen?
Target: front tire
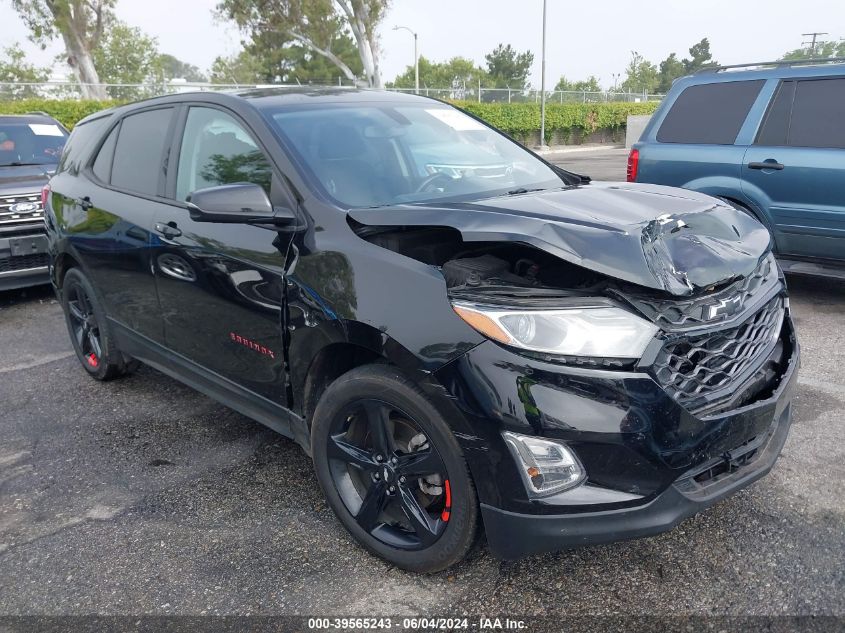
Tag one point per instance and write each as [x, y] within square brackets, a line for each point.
[392, 471]
[89, 333]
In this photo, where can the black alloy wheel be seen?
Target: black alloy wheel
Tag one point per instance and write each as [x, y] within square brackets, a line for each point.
[83, 325]
[89, 333]
[389, 476]
[392, 470]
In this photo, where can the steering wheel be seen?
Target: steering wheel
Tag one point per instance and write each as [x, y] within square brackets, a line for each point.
[430, 180]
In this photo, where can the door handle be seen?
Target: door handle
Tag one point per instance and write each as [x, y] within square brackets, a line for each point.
[169, 230]
[766, 164]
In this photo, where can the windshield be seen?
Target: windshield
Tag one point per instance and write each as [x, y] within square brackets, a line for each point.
[385, 154]
[30, 143]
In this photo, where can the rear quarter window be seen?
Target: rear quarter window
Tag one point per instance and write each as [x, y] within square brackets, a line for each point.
[709, 113]
[818, 114]
[79, 144]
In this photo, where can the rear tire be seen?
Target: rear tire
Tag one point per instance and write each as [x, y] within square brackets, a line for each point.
[392, 471]
[89, 333]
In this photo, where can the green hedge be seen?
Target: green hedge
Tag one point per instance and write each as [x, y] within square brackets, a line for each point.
[566, 122]
[66, 111]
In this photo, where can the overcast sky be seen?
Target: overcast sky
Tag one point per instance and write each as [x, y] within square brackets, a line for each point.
[584, 38]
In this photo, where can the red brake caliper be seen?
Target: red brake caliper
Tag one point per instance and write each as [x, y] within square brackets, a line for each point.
[93, 361]
[444, 516]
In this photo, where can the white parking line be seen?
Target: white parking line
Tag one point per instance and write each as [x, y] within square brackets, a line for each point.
[49, 358]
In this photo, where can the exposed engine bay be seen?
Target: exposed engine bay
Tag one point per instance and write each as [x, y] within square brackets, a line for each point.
[492, 268]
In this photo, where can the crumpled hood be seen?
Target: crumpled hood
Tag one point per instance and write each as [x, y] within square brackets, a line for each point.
[660, 237]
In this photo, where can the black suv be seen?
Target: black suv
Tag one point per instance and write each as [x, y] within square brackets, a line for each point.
[30, 146]
[455, 330]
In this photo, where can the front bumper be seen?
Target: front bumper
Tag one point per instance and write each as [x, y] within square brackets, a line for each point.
[650, 462]
[513, 535]
[23, 261]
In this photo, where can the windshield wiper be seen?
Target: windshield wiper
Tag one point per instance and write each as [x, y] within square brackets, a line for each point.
[18, 163]
[519, 190]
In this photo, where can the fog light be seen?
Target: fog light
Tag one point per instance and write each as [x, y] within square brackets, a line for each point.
[546, 466]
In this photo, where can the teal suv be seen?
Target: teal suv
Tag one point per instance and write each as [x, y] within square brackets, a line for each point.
[770, 140]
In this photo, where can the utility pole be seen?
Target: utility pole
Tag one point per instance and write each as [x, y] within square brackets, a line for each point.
[812, 42]
[543, 84]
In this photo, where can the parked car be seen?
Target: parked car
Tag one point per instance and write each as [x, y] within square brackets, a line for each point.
[30, 146]
[769, 140]
[451, 341]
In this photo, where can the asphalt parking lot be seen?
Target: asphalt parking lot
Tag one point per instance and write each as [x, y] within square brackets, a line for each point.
[142, 496]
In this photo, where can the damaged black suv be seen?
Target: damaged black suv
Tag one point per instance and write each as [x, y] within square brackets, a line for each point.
[459, 333]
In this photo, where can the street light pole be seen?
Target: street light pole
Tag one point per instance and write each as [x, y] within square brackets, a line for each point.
[543, 83]
[416, 56]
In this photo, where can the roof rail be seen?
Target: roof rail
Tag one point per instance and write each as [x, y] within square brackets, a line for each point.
[777, 63]
[40, 112]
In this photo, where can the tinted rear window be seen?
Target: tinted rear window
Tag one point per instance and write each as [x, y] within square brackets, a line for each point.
[776, 124]
[709, 113]
[137, 163]
[818, 114]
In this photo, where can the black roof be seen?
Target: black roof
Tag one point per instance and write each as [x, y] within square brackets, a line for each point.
[274, 96]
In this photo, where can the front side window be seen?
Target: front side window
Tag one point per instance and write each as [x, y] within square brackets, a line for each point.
[30, 143]
[709, 113]
[384, 154]
[139, 154]
[217, 150]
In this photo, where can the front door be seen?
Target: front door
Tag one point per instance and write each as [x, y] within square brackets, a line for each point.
[221, 286]
[797, 168]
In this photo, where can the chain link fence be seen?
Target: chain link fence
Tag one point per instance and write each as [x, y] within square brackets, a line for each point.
[124, 92]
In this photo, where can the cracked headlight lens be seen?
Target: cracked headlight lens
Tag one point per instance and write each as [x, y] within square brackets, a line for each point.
[605, 332]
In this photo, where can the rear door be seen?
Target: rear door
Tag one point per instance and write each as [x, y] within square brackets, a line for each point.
[221, 285]
[107, 209]
[696, 144]
[796, 167]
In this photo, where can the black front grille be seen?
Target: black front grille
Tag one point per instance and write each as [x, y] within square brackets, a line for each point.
[23, 262]
[677, 313]
[697, 369]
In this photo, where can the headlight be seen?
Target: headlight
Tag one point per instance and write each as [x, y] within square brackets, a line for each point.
[605, 332]
[546, 466]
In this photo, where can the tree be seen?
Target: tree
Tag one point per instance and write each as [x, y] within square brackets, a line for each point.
[670, 69]
[700, 57]
[294, 63]
[15, 69]
[456, 74]
[823, 50]
[507, 68]
[80, 24]
[640, 75]
[242, 68]
[172, 68]
[126, 56]
[316, 26]
[590, 84]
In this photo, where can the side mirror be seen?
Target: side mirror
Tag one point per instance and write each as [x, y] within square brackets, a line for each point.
[239, 203]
